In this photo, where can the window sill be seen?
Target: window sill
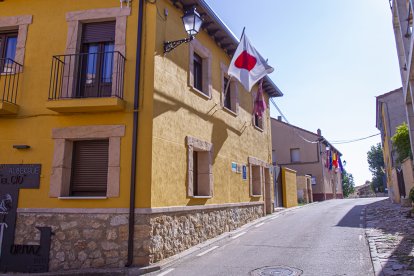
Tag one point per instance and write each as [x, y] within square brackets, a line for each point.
[234, 113]
[82, 197]
[258, 128]
[256, 196]
[8, 108]
[200, 93]
[86, 105]
[201, 197]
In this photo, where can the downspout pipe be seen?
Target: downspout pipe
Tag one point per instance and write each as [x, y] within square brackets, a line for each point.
[135, 137]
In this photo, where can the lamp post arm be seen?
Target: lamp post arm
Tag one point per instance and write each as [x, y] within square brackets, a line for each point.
[171, 45]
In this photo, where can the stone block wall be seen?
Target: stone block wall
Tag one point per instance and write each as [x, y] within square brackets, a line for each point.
[86, 240]
[79, 240]
[175, 232]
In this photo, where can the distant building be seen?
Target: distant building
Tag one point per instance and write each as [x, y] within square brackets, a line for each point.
[389, 115]
[307, 153]
[364, 190]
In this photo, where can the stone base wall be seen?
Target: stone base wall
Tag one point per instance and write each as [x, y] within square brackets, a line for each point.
[101, 240]
[79, 240]
[175, 232]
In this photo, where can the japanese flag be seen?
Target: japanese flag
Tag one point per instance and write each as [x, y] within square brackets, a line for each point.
[247, 65]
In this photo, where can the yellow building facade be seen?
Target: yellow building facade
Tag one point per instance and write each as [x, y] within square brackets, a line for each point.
[126, 153]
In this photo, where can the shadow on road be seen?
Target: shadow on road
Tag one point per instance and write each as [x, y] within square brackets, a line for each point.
[351, 219]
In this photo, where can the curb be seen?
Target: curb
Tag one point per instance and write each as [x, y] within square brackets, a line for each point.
[373, 251]
[166, 263]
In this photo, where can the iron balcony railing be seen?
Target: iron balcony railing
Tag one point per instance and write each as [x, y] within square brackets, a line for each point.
[87, 75]
[9, 79]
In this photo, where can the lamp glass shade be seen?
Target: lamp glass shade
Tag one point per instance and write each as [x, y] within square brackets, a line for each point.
[192, 22]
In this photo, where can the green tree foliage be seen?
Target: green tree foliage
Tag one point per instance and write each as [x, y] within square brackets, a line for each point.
[401, 142]
[348, 183]
[376, 167]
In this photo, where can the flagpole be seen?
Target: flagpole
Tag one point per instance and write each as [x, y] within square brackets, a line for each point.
[228, 83]
[227, 87]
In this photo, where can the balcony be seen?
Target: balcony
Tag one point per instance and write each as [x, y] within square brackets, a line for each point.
[87, 82]
[9, 86]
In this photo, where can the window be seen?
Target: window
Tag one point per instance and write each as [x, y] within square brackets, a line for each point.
[96, 59]
[229, 98]
[258, 121]
[200, 69]
[200, 172]
[8, 42]
[86, 161]
[294, 155]
[256, 167]
[89, 176]
[256, 180]
[13, 36]
[198, 72]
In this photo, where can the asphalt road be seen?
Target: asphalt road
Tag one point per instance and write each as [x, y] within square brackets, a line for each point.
[321, 239]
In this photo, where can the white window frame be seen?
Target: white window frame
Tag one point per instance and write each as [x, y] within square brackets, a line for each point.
[292, 150]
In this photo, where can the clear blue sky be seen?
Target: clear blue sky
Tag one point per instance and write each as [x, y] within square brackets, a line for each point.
[331, 58]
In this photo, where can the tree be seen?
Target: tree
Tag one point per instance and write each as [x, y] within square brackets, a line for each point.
[401, 142]
[375, 160]
[348, 183]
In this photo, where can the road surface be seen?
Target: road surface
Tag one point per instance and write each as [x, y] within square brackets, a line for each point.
[325, 238]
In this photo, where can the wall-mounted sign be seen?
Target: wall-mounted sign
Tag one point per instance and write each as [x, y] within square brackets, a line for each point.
[313, 180]
[21, 175]
[239, 168]
[244, 172]
[233, 166]
[20, 257]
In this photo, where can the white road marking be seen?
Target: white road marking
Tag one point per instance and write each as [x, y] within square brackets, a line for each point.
[205, 252]
[166, 272]
[241, 234]
[260, 224]
[360, 225]
[274, 218]
[360, 237]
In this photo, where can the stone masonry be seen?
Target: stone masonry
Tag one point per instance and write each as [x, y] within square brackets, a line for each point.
[390, 232]
[101, 240]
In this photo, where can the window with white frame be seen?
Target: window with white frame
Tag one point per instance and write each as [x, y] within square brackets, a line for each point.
[200, 171]
[295, 155]
[200, 68]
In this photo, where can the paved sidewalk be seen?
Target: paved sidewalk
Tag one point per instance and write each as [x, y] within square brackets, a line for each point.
[390, 233]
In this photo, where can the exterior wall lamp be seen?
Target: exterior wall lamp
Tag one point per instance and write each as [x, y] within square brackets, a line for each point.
[192, 23]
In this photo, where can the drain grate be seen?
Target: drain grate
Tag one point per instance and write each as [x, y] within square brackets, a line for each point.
[276, 271]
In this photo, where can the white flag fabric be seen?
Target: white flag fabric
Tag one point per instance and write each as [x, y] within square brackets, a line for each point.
[247, 65]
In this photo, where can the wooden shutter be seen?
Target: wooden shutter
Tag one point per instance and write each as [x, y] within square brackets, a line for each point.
[98, 32]
[89, 168]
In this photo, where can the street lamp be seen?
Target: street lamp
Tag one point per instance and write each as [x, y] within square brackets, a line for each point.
[192, 22]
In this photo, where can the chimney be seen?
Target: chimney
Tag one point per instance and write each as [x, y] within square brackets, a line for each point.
[279, 118]
[319, 132]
